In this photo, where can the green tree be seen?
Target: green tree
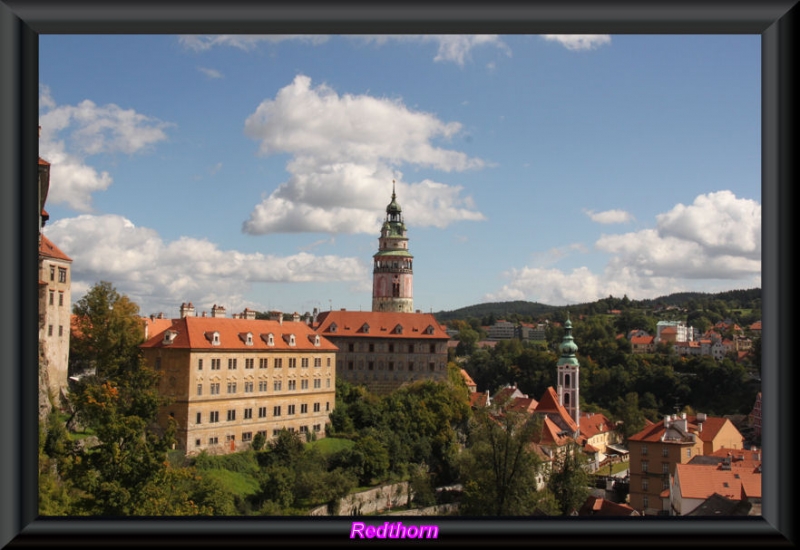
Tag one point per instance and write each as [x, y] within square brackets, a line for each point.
[500, 465]
[569, 480]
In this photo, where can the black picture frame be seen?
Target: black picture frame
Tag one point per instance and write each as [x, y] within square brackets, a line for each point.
[22, 21]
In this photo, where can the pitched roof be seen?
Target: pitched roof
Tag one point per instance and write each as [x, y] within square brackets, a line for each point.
[699, 481]
[50, 250]
[596, 506]
[467, 378]
[194, 333]
[654, 432]
[549, 405]
[380, 324]
[594, 423]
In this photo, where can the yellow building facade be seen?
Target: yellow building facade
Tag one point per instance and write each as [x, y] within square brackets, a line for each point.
[227, 379]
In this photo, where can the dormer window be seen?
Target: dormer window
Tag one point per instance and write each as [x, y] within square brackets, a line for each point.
[365, 328]
[289, 339]
[398, 329]
[429, 330]
[316, 340]
[333, 327]
[169, 337]
[247, 338]
[268, 339]
[213, 337]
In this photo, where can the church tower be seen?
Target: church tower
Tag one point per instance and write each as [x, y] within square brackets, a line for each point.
[569, 374]
[392, 274]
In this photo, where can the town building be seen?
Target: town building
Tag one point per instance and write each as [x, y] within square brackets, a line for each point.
[54, 312]
[659, 447]
[733, 477]
[383, 351]
[392, 272]
[229, 379]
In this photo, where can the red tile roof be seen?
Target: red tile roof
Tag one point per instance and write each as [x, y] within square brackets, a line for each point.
[711, 427]
[194, 333]
[43, 162]
[594, 423]
[549, 404]
[596, 506]
[701, 481]
[381, 325]
[50, 250]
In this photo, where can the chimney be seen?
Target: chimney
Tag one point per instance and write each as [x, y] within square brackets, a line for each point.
[276, 316]
[187, 310]
[248, 314]
[666, 421]
[296, 317]
[217, 311]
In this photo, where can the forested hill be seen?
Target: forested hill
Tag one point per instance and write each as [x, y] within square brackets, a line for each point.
[731, 299]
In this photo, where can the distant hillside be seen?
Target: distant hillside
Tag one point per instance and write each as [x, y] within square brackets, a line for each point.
[734, 299]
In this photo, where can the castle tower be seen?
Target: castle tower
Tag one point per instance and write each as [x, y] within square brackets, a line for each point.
[568, 370]
[392, 274]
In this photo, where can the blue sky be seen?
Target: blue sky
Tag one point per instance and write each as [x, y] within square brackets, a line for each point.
[254, 171]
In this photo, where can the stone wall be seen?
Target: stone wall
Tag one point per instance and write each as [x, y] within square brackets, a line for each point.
[373, 501]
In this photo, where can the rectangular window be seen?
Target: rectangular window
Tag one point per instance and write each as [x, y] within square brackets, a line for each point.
[199, 419]
[303, 408]
[196, 442]
[216, 364]
[61, 330]
[317, 384]
[158, 363]
[372, 348]
[262, 363]
[213, 440]
[290, 409]
[247, 436]
[410, 366]
[292, 385]
[391, 348]
[433, 348]
[262, 385]
[665, 467]
[231, 363]
[391, 365]
[214, 388]
[665, 485]
[303, 384]
[644, 449]
[52, 273]
[645, 465]
[199, 364]
[292, 362]
[645, 484]
[276, 386]
[370, 365]
[279, 363]
[316, 407]
[248, 387]
[231, 387]
[52, 297]
[327, 406]
[664, 451]
[213, 416]
[276, 410]
[317, 427]
[62, 275]
[262, 412]
[199, 389]
[328, 383]
[61, 298]
[230, 437]
[231, 415]
[688, 453]
[248, 414]
[329, 361]
[304, 363]
[350, 347]
[431, 367]
[49, 330]
[349, 365]
[303, 429]
[317, 362]
[249, 363]
[645, 501]
[411, 348]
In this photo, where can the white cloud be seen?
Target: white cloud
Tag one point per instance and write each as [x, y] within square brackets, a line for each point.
[609, 216]
[700, 247]
[345, 152]
[91, 130]
[452, 48]
[210, 73]
[244, 42]
[578, 42]
[155, 273]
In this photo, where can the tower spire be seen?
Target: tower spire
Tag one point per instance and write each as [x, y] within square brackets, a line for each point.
[568, 369]
[392, 274]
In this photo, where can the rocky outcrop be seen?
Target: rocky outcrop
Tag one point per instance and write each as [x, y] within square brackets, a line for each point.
[45, 399]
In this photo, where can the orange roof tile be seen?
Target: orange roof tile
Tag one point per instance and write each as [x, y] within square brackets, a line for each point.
[194, 333]
[50, 250]
[594, 423]
[549, 404]
[381, 325]
[702, 481]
